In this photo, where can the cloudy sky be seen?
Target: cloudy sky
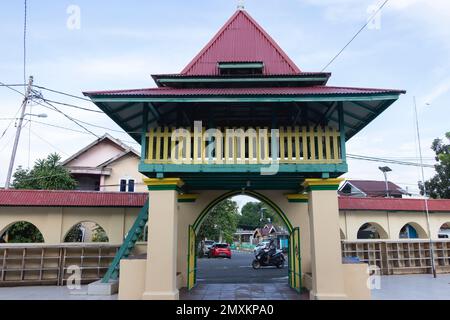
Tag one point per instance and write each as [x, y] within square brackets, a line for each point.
[119, 44]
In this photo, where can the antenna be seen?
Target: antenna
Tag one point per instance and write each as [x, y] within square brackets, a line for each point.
[241, 5]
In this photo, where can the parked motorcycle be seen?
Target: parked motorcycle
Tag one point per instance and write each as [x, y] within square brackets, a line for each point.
[276, 259]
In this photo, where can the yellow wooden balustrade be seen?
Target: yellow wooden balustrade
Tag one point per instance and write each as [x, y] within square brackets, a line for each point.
[296, 145]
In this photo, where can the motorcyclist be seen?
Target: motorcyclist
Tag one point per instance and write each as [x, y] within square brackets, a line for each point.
[270, 250]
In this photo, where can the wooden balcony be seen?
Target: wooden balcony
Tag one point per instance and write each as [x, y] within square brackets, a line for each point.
[293, 149]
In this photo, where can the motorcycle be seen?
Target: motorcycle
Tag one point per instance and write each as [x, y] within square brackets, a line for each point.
[275, 260]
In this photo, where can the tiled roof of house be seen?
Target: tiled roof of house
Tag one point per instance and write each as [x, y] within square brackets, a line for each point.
[376, 188]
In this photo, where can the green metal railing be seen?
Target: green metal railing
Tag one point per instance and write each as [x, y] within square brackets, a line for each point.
[128, 245]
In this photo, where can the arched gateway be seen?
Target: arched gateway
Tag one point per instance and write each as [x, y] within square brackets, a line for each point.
[241, 116]
[294, 272]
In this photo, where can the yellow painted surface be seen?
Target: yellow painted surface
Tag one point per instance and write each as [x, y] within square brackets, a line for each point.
[132, 275]
[234, 143]
[161, 273]
[326, 259]
[124, 168]
[356, 279]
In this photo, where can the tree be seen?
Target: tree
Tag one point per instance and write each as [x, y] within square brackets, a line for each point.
[23, 232]
[438, 187]
[221, 222]
[47, 174]
[251, 216]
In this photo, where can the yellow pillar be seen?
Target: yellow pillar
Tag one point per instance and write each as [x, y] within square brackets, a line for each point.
[161, 270]
[326, 257]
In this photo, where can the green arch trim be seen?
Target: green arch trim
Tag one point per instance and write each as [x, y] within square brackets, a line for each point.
[254, 194]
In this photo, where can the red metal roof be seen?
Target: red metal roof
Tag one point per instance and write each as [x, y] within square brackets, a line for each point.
[241, 39]
[38, 198]
[314, 90]
[377, 188]
[384, 204]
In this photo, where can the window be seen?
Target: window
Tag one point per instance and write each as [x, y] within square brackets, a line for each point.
[131, 186]
[123, 185]
[127, 185]
[241, 68]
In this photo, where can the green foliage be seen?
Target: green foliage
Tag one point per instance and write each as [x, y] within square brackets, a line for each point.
[438, 187]
[221, 220]
[74, 234]
[47, 174]
[251, 216]
[99, 235]
[24, 232]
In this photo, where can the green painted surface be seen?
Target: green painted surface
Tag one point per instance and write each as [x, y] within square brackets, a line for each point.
[323, 188]
[231, 80]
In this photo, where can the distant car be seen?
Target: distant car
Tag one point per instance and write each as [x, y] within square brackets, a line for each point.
[261, 245]
[220, 250]
[208, 246]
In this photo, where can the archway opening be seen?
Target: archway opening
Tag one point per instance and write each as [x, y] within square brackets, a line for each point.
[245, 224]
[86, 232]
[21, 232]
[412, 230]
[444, 231]
[371, 231]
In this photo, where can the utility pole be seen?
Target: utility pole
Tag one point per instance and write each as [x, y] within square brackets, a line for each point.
[18, 130]
[433, 266]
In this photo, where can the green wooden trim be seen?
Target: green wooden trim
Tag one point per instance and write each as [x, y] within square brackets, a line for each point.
[343, 136]
[299, 262]
[164, 188]
[323, 188]
[241, 65]
[254, 194]
[130, 241]
[298, 200]
[231, 80]
[239, 168]
[246, 98]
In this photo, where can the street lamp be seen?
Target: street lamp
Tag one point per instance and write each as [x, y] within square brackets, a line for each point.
[41, 115]
[385, 170]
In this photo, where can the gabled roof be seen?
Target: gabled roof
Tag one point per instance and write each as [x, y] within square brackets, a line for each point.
[371, 188]
[115, 141]
[241, 39]
[120, 156]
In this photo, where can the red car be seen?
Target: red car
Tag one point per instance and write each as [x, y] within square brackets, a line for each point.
[220, 250]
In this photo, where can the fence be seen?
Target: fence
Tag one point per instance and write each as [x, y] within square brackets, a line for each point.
[319, 145]
[37, 264]
[400, 257]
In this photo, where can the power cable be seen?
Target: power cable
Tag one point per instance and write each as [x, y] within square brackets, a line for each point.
[73, 106]
[69, 117]
[62, 93]
[356, 35]
[49, 143]
[25, 43]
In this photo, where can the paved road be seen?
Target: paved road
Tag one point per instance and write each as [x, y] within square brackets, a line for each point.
[238, 270]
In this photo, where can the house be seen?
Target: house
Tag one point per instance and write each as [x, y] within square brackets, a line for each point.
[370, 188]
[269, 231]
[106, 164]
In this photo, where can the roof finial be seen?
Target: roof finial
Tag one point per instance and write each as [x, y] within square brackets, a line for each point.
[241, 5]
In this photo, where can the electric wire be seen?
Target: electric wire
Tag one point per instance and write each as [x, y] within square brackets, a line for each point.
[356, 35]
